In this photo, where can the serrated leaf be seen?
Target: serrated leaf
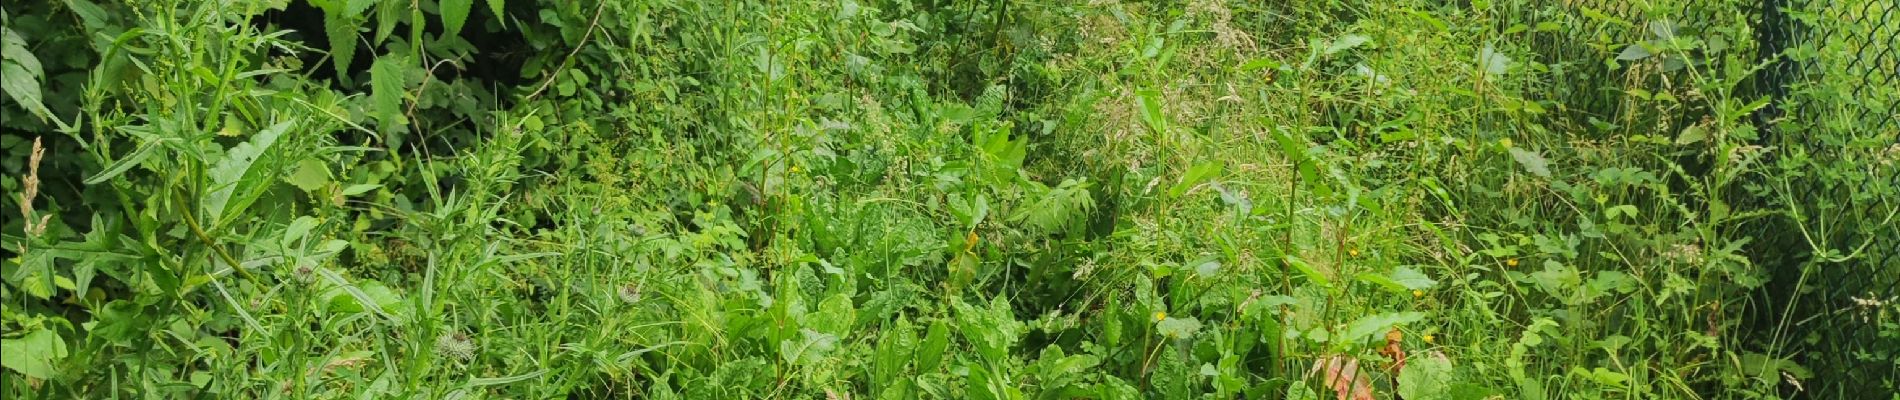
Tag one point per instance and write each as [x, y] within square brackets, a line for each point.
[13, 49]
[454, 13]
[1531, 161]
[386, 89]
[20, 84]
[341, 28]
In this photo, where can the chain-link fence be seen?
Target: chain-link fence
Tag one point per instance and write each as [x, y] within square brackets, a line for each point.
[1829, 69]
[1849, 45]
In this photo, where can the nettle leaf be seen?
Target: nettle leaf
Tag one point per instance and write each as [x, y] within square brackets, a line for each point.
[499, 7]
[1533, 162]
[454, 14]
[340, 27]
[20, 74]
[386, 89]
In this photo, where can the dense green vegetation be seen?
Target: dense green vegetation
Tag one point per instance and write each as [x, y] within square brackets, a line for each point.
[844, 199]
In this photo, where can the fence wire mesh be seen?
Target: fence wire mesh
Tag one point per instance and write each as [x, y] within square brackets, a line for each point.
[1822, 64]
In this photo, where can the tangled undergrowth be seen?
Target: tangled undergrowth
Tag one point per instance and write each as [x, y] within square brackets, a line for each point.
[900, 199]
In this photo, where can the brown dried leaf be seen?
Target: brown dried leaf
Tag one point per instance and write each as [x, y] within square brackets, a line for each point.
[1344, 378]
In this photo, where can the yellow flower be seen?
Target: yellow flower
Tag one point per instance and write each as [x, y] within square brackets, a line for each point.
[1505, 142]
[1511, 262]
[1160, 315]
[1428, 338]
[1353, 252]
[1418, 293]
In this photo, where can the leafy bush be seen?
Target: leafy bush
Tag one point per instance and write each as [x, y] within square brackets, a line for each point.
[944, 199]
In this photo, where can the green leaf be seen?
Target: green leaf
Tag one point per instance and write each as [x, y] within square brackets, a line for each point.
[1150, 102]
[1412, 278]
[1344, 43]
[454, 14]
[1624, 210]
[1531, 161]
[1494, 63]
[360, 188]
[341, 31]
[311, 174]
[235, 183]
[21, 82]
[1370, 326]
[895, 348]
[1633, 52]
[1178, 328]
[386, 89]
[834, 317]
[991, 330]
[126, 163]
[1425, 378]
[809, 348]
[14, 50]
[1692, 134]
[1310, 273]
[499, 7]
[936, 342]
[34, 354]
[477, 382]
[297, 229]
[1195, 176]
